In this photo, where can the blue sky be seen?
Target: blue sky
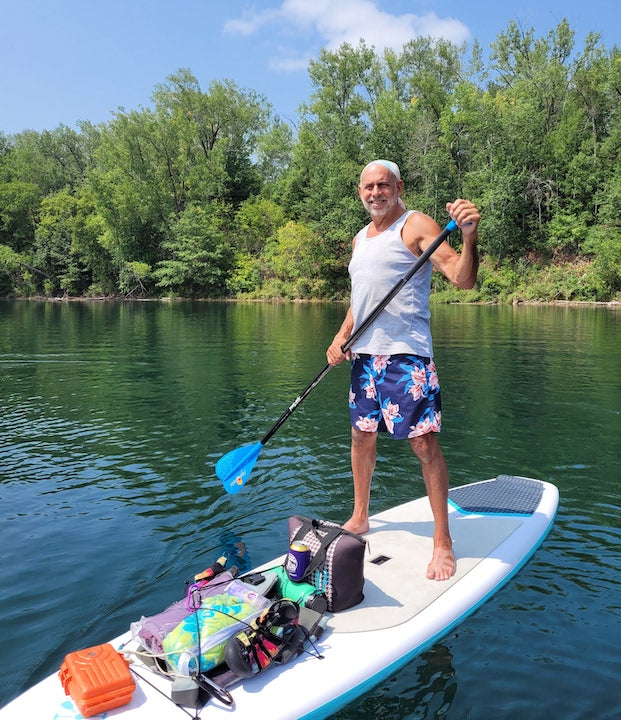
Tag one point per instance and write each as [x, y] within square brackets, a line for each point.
[68, 60]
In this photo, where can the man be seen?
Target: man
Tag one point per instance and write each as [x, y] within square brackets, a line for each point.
[394, 385]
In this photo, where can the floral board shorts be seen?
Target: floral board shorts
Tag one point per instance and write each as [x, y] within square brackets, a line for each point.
[397, 394]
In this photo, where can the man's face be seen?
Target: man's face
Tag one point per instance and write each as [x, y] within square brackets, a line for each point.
[379, 191]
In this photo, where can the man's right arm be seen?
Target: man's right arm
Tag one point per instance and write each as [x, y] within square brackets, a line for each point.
[334, 353]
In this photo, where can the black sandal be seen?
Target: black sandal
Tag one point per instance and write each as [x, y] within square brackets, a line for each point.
[274, 637]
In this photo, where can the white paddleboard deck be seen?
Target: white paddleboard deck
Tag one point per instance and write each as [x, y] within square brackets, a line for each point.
[496, 526]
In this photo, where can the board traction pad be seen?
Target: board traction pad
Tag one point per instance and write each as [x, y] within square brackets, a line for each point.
[507, 494]
[483, 516]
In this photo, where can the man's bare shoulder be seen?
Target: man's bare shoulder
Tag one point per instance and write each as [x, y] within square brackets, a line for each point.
[419, 230]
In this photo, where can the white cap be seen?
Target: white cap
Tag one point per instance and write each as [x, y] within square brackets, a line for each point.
[388, 164]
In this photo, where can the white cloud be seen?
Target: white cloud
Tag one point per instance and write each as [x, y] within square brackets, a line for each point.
[339, 21]
[288, 63]
[251, 22]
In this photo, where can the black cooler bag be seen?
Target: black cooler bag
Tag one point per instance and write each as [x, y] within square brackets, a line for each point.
[337, 558]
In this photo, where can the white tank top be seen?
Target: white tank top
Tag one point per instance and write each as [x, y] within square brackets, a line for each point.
[376, 266]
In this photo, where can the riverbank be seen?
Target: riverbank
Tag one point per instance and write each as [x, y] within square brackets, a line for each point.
[435, 299]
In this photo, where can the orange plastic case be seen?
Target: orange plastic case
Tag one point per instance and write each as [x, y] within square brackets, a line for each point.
[97, 678]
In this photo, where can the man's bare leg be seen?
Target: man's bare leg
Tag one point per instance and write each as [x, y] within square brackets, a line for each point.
[436, 477]
[363, 457]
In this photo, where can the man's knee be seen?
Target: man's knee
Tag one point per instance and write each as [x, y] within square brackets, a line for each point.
[363, 440]
[426, 448]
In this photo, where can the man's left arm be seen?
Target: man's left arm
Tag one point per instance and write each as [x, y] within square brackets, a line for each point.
[465, 265]
[460, 268]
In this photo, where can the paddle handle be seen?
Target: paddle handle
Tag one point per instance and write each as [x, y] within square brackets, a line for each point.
[302, 396]
[421, 260]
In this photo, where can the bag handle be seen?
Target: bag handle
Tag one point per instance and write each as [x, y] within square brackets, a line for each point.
[331, 534]
[317, 561]
[308, 525]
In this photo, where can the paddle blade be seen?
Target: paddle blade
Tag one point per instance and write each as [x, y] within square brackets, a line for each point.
[235, 467]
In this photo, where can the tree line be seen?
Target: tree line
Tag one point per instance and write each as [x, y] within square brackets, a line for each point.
[207, 193]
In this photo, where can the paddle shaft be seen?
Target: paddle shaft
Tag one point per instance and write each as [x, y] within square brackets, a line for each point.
[420, 261]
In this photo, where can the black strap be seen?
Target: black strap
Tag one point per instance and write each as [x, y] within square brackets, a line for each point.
[223, 695]
[329, 534]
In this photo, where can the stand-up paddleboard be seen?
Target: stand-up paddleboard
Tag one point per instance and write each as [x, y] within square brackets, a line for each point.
[496, 527]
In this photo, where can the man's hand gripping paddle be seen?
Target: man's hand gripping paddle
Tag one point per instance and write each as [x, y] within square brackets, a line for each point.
[235, 467]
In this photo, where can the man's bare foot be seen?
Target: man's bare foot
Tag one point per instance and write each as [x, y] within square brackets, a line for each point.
[442, 565]
[356, 526]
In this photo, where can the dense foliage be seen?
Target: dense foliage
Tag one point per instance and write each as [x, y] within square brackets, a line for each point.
[207, 194]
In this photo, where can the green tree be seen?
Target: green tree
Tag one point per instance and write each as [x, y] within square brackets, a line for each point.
[331, 147]
[53, 244]
[526, 101]
[52, 159]
[219, 131]
[431, 70]
[16, 275]
[408, 122]
[192, 149]
[293, 259]
[68, 248]
[19, 212]
[199, 256]
[346, 84]
[603, 240]
[274, 151]
[256, 221]
[205, 193]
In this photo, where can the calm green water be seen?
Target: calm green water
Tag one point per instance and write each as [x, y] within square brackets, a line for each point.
[113, 415]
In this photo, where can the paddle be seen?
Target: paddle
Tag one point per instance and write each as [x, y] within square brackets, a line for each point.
[234, 468]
